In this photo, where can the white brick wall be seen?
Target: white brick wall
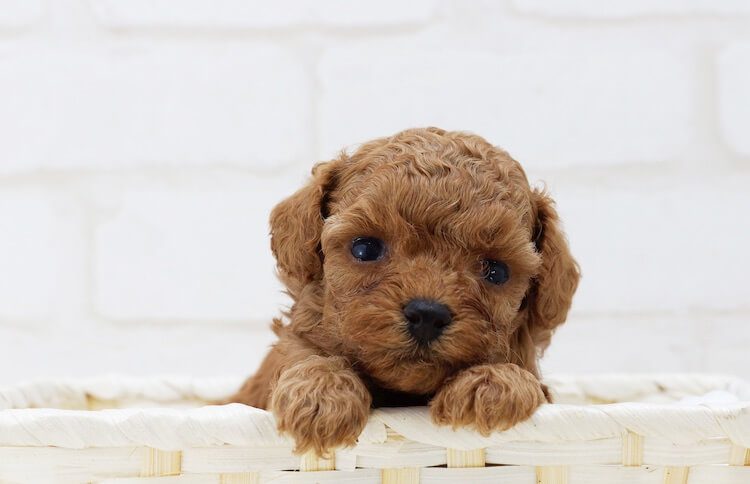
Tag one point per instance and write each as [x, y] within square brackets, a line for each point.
[42, 255]
[734, 96]
[239, 14]
[668, 244]
[525, 102]
[142, 146]
[632, 8]
[144, 103]
[188, 253]
[15, 14]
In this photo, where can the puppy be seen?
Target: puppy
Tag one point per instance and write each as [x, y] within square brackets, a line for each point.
[423, 270]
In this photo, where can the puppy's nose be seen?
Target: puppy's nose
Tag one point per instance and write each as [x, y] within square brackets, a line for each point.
[426, 319]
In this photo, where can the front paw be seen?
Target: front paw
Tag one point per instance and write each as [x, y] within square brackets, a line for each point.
[321, 403]
[487, 398]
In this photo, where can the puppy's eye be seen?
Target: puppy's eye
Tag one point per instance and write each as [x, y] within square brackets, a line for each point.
[367, 249]
[495, 271]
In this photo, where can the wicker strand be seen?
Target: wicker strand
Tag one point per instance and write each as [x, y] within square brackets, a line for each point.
[632, 449]
[311, 462]
[676, 475]
[240, 478]
[157, 463]
[405, 475]
[739, 456]
[465, 458]
[399, 475]
[552, 475]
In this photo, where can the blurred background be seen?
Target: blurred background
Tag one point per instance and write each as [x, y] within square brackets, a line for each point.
[143, 143]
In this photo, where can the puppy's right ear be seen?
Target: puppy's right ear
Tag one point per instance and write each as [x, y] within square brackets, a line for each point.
[296, 225]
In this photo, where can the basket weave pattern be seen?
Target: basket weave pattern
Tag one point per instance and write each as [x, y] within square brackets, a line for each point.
[156, 431]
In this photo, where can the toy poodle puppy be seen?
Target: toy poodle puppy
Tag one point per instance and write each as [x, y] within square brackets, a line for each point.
[423, 270]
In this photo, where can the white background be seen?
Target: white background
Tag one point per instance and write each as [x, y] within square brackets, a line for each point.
[143, 143]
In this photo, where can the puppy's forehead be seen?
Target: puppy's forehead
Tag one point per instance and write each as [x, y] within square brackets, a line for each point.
[431, 176]
[458, 208]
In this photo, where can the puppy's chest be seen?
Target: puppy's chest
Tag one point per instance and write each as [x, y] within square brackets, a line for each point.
[383, 397]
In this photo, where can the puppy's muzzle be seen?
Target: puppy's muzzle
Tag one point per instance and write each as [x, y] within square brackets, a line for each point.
[426, 319]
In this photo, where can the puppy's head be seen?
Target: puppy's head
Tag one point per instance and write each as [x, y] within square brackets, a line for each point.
[421, 254]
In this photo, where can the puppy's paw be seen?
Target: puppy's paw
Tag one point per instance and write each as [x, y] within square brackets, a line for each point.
[487, 398]
[322, 403]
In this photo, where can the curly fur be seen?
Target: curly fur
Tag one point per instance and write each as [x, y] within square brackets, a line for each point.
[442, 201]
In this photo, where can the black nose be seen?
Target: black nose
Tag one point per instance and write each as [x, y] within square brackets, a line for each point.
[426, 319]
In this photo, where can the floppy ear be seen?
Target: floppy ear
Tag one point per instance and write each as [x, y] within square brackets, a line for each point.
[551, 293]
[296, 225]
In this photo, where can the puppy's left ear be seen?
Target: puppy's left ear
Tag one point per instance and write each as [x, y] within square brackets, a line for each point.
[296, 226]
[551, 294]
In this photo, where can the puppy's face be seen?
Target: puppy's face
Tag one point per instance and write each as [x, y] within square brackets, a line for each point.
[424, 273]
[424, 260]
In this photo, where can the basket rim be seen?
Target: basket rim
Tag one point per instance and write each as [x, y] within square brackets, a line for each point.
[603, 387]
[240, 425]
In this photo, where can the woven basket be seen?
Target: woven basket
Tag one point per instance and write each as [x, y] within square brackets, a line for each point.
[156, 431]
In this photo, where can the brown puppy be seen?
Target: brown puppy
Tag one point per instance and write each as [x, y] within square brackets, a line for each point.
[423, 270]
